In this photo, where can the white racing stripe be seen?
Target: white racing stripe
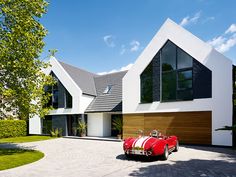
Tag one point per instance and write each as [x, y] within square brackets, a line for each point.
[140, 142]
[134, 142]
[146, 141]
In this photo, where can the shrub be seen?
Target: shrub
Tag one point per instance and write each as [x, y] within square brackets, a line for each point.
[82, 128]
[12, 128]
[118, 124]
[57, 132]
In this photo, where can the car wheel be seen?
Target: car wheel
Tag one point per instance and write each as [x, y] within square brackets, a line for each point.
[165, 155]
[176, 146]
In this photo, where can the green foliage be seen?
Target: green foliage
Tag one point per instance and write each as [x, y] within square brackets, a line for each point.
[22, 79]
[82, 127]
[118, 124]
[12, 128]
[57, 132]
[10, 158]
[23, 139]
[52, 52]
[230, 128]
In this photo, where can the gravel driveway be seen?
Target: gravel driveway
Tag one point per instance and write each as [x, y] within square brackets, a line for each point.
[85, 158]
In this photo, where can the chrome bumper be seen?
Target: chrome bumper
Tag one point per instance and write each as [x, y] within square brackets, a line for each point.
[139, 152]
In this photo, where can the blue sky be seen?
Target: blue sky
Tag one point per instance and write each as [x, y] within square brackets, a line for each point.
[108, 35]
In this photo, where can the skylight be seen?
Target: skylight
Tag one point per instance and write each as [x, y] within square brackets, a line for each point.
[107, 89]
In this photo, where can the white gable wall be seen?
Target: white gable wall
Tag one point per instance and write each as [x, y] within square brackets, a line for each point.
[80, 101]
[221, 102]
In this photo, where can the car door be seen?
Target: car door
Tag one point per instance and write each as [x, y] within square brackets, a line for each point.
[170, 141]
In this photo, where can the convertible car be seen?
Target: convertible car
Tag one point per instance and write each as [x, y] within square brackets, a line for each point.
[153, 145]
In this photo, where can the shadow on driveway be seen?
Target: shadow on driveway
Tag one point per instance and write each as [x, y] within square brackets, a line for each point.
[193, 167]
[224, 166]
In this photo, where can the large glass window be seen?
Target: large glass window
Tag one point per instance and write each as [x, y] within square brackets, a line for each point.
[47, 125]
[55, 95]
[183, 59]
[168, 54]
[61, 98]
[169, 86]
[185, 85]
[177, 82]
[68, 100]
[174, 73]
[147, 84]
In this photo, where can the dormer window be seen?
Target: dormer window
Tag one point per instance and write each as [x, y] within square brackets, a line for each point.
[107, 89]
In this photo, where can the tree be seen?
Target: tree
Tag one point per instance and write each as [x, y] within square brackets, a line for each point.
[22, 80]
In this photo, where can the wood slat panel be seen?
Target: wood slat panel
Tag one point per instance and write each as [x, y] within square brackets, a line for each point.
[131, 124]
[190, 127]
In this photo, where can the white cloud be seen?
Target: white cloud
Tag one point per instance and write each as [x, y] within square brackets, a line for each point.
[135, 45]
[188, 19]
[217, 41]
[226, 46]
[109, 40]
[123, 49]
[231, 29]
[226, 41]
[124, 68]
[127, 67]
[208, 19]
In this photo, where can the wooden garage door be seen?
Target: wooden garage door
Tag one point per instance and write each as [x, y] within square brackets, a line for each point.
[190, 127]
[131, 124]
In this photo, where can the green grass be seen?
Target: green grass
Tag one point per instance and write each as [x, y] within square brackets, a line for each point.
[10, 158]
[24, 139]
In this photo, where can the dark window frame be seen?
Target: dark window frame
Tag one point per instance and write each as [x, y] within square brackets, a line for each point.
[188, 91]
[176, 71]
[55, 88]
[142, 78]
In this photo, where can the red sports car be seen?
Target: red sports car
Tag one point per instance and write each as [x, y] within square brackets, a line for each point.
[153, 145]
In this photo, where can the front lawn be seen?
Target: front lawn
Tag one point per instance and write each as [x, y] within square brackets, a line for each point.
[23, 139]
[10, 158]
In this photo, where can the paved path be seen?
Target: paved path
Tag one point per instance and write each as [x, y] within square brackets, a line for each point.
[85, 158]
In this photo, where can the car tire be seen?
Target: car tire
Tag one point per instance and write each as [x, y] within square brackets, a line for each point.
[176, 146]
[165, 155]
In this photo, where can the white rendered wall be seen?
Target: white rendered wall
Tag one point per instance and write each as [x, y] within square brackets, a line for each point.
[99, 124]
[221, 102]
[85, 101]
[106, 124]
[35, 125]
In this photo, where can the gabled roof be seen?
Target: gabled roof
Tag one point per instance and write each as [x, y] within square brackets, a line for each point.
[108, 102]
[84, 79]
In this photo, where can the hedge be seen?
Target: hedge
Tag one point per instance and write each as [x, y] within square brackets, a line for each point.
[12, 128]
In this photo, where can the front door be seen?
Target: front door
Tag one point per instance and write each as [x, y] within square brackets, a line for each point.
[72, 123]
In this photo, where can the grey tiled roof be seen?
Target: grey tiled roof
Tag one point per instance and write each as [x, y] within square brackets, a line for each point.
[111, 102]
[84, 79]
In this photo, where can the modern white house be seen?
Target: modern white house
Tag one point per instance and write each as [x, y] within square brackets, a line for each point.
[179, 85]
[182, 86]
[81, 96]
